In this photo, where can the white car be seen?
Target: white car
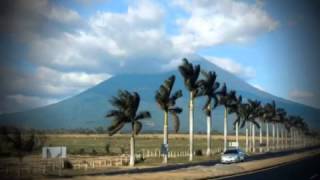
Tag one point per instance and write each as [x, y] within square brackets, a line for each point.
[233, 155]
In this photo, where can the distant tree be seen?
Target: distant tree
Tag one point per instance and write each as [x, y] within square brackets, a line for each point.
[167, 103]
[99, 130]
[126, 106]
[21, 143]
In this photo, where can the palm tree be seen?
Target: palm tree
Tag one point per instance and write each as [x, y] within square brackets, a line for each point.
[167, 103]
[236, 108]
[190, 75]
[279, 118]
[272, 112]
[208, 88]
[246, 117]
[126, 106]
[256, 112]
[267, 116]
[226, 99]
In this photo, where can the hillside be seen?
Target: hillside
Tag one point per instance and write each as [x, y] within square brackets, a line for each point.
[88, 108]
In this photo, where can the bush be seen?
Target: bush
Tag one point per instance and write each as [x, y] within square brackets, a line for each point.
[107, 148]
[198, 152]
[82, 151]
[94, 152]
[122, 150]
[67, 164]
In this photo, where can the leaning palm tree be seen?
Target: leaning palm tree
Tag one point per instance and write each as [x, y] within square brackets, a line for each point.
[209, 87]
[167, 103]
[126, 106]
[226, 99]
[190, 75]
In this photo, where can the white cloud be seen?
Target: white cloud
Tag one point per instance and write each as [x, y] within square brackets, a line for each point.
[305, 97]
[69, 57]
[20, 102]
[258, 86]
[63, 15]
[217, 22]
[244, 72]
[42, 87]
[296, 94]
[107, 46]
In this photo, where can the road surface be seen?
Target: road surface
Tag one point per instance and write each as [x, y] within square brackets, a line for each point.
[306, 169]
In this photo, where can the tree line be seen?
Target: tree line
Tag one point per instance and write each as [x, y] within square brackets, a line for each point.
[250, 114]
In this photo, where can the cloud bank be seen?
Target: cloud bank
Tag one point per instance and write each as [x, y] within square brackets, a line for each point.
[69, 53]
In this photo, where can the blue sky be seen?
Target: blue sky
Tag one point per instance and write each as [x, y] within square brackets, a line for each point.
[52, 50]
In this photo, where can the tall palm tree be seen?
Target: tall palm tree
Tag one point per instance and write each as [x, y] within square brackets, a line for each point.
[287, 126]
[235, 107]
[190, 75]
[126, 106]
[267, 116]
[279, 118]
[256, 113]
[226, 99]
[272, 110]
[167, 103]
[209, 88]
[246, 117]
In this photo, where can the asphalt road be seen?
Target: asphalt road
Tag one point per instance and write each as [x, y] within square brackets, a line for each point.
[306, 169]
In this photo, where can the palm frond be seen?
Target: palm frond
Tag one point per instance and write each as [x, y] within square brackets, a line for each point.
[174, 97]
[115, 127]
[176, 122]
[175, 110]
[142, 115]
[137, 126]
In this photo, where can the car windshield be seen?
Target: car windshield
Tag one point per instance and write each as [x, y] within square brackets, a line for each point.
[232, 151]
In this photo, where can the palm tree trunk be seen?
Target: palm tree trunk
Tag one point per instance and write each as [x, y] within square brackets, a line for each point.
[247, 138]
[250, 137]
[165, 136]
[277, 146]
[286, 136]
[273, 135]
[191, 127]
[209, 131]
[260, 139]
[225, 130]
[267, 134]
[282, 138]
[253, 138]
[132, 144]
[237, 134]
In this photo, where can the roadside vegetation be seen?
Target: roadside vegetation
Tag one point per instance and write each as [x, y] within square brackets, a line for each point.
[267, 126]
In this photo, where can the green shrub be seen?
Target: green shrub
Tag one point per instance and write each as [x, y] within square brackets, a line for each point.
[94, 152]
[198, 152]
[82, 151]
[107, 148]
[67, 164]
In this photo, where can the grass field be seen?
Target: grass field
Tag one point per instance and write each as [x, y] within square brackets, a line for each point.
[120, 143]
